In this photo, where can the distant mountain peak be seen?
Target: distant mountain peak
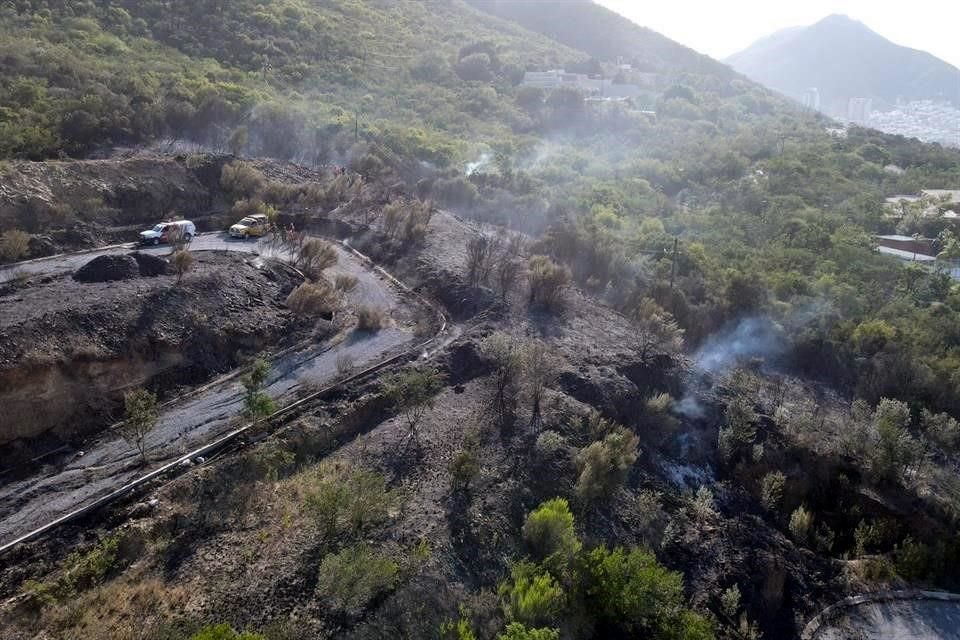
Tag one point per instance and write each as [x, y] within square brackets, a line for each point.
[844, 59]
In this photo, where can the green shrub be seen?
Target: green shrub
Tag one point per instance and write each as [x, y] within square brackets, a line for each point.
[314, 256]
[412, 392]
[739, 432]
[141, 412]
[345, 283]
[224, 632]
[549, 533]
[349, 580]
[457, 630]
[532, 596]
[604, 465]
[257, 404]
[942, 429]
[801, 524]
[548, 444]
[893, 450]
[631, 595]
[517, 631]
[771, 490]
[346, 502]
[78, 572]
[464, 469]
[730, 601]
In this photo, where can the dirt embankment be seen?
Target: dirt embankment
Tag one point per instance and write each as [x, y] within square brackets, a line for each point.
[77, 204]
[68, 350]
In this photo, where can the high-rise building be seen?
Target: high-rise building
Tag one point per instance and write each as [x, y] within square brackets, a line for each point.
[811, 98]
[858, 109]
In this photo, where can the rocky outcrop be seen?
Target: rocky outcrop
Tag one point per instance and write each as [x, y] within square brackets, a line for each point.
[107, 269]
[150, 266]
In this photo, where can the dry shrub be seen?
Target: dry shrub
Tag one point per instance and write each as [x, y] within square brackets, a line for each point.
[182, 261]
[312, 299]
[341, 189]
[370, 319]
[406, 221]
[280, 194]
[345, 283]
[241, 180]
[14, 245]
[314, 256]
[345, 364]
[548, 280]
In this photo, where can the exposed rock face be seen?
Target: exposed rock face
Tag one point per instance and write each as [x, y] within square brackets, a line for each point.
[107, 269]
[68, 351]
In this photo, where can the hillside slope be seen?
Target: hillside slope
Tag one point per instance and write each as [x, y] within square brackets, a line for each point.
[843, 58]
[76, 76]
[604, 35]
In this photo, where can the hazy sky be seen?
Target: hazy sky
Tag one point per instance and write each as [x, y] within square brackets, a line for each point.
[722, 27]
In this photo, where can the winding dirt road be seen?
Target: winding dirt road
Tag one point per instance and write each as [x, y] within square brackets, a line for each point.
[197, 418]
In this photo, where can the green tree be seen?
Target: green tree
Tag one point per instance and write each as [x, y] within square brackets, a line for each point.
[142, 413]
[257, 403]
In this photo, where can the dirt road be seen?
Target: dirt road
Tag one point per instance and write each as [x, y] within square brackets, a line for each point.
[81, 476]
[916, 616]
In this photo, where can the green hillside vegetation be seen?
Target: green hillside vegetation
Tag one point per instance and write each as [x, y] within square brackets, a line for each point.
[75, 75]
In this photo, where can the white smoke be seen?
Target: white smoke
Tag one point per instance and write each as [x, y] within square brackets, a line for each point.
[479, 163]
[751, 339]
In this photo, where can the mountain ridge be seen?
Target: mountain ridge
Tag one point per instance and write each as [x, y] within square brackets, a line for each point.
[843, 58]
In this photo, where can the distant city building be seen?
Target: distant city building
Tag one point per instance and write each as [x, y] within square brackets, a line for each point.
[859, 110]
[811, 98]
[926, 120]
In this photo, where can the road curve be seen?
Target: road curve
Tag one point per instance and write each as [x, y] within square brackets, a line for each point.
[109, 462]
[897, 615]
